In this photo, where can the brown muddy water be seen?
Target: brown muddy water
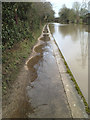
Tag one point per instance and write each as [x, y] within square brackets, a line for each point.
[73, 43]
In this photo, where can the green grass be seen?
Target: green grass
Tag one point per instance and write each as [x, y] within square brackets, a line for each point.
[13, 59]
[76, 85]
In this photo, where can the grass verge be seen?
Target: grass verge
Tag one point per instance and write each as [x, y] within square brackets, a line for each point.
[14, 58]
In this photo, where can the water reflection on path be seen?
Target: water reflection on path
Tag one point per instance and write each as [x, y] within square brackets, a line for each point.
[73, 42]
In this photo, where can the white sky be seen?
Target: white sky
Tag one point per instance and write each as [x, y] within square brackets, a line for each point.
[57, 4]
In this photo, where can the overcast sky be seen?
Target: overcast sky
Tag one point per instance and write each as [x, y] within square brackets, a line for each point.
[57, 4]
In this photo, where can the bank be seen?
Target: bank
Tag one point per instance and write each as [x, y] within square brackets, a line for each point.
[14, 58]
[68, 71]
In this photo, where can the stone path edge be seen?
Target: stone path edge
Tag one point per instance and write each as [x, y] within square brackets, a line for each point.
[74, 99]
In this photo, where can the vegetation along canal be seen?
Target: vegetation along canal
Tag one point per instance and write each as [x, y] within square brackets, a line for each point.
[44, 64]
[73, 43]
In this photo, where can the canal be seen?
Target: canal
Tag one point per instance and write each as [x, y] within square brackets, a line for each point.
[73, 42]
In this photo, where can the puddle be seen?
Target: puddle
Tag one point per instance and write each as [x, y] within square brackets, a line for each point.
[46, 91]
[35, 60]
[45, 29]
[39, 49]
[45, 38]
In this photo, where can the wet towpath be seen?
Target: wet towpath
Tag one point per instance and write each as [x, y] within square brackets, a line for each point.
[43, 88]
[46, 91]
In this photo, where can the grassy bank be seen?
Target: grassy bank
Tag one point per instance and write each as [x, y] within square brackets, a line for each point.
[14, 58]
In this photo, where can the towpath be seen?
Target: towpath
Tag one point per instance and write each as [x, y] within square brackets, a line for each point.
[44, 89]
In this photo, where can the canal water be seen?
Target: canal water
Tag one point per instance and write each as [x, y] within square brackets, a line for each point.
[73, 43]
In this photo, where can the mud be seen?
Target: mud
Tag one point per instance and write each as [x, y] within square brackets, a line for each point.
[17, 103]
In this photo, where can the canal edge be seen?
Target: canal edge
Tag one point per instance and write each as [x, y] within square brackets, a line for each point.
[77, 111]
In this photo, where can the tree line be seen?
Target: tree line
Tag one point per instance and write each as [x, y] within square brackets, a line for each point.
[77, 14]
[20, 19]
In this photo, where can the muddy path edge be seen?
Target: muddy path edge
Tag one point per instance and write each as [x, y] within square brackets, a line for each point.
[17, 96]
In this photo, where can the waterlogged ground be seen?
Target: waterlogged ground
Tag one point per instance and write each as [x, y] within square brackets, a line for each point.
[42, 90]
[46, 92]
